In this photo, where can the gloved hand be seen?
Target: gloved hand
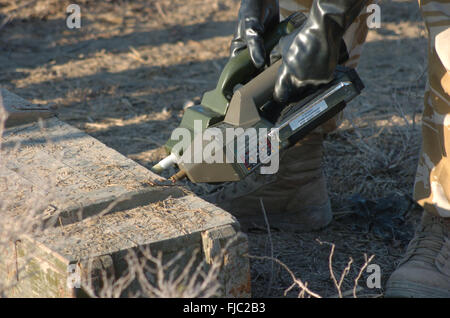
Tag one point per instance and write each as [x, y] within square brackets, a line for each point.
[255, 17]
[311, 53]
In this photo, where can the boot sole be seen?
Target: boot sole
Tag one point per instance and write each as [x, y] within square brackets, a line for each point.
[414, 290]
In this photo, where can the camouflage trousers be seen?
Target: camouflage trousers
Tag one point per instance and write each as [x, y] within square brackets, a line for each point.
[432, 184]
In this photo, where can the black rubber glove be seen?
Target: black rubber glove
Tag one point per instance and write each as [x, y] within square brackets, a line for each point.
[255, 17]
[311, 54]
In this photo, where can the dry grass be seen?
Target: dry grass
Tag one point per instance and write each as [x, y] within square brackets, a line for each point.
[149, 275]
[125, 76]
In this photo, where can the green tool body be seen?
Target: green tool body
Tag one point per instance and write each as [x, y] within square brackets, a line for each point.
[251, 108]
[294, 122]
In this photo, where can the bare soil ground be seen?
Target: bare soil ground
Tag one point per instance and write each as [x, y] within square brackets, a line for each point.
[124, 76]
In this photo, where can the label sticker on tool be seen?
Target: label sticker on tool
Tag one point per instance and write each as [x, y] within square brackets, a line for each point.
[308, 115]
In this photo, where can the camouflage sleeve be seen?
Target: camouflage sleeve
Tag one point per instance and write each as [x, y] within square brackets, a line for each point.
[432, 185]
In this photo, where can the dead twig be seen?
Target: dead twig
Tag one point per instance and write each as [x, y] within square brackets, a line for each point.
[366, 263]
[296, 281]
[266, 220]
[161, 11]
[337, 284]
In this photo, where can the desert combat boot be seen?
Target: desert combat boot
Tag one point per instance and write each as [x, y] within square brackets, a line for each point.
[425, 269]
[295, 198]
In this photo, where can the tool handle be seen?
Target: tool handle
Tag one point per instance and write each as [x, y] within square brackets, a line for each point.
[261, 87]
[243, 108]
[240, 68]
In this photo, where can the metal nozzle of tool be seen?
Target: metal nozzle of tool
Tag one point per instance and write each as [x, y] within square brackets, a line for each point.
[167, 162]
[178, 176]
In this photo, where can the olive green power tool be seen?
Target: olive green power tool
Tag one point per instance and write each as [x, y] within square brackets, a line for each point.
[243, 102]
